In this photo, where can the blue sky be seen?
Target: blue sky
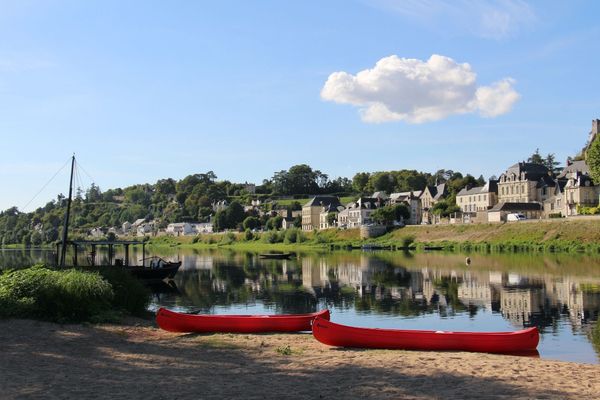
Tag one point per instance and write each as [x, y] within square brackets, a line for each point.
[143, 90]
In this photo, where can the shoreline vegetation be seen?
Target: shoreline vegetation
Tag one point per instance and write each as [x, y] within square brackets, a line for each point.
[582, 235]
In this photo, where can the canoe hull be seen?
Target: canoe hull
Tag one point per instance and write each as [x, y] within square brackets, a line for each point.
[487, 342]
[178, 322]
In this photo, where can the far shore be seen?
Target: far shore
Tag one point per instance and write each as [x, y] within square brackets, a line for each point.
[139, 361]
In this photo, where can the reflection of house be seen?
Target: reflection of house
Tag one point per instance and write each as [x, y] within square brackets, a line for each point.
[518, 305]
[476, 293]
[412, 201]
[311, 211]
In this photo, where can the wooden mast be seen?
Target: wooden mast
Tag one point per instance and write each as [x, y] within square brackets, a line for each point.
[63, 249]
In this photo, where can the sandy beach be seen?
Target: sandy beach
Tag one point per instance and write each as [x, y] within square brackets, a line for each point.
[139, 361]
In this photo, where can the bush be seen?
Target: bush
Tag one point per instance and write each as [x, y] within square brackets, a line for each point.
[293, 235]
[130, 295]
[228, 238]
[271, 237]
[248, 235]
[407, 240]
[62, 296]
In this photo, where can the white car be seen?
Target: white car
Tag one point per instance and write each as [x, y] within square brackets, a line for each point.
[515, 217]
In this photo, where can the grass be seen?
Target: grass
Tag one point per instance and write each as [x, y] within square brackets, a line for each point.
[546, 235]
[70, 295]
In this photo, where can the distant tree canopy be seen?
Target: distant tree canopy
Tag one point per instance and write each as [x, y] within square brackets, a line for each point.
[549, 161]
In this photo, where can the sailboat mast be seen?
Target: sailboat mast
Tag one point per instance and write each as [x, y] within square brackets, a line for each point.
[63, 249]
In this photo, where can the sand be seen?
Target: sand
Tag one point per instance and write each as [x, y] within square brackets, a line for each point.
[138, 361]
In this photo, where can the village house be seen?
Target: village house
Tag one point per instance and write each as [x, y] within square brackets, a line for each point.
[500, 211]
[579, 189]
[202, 227]
[525, 183]
[324, 216]
[179, 229]
[311, 211]
[474, 202]
[430, 196]
[359, 212]
[219, 205]
[412, 201]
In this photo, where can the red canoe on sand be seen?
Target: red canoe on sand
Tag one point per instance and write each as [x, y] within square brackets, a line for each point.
[178, 322]
[488, 342]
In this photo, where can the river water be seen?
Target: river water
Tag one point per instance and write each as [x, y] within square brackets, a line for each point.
[558, 293]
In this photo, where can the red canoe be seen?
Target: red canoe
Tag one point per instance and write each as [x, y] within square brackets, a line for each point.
[178, 322]
[487, 342]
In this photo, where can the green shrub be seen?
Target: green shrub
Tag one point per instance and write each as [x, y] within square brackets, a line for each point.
[248, 235]
[228, 238]
[63, 296]
[293, 235]
[271, 237]
[407, 240]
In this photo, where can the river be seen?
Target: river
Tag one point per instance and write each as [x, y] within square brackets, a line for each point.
[558, 293]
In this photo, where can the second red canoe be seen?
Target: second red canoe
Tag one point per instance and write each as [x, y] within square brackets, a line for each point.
[178, 322]
[488, 342]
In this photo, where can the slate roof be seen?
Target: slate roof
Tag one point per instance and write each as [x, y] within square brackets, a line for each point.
[575, 167]
[533, 172]
[323, 201]
[516, 207]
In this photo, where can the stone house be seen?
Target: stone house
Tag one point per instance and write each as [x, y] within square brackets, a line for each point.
[412, 201]
[481, 198]
[311, 211]
[179, 228]
[430, 196]
[359, 212]
[579, 189]
[324, 216]
[525, 183]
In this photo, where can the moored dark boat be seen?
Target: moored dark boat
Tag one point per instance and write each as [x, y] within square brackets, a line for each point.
[276, 256]
[165, 271]
[179, 322]
[333, 334]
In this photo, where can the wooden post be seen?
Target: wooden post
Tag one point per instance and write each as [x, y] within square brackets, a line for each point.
[143, 254]
[93, 255]
[110, 254]
[126, 255]
[75, 254]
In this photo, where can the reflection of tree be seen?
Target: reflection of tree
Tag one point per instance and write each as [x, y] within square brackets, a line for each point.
[390, 276]
[595, 337]
[449, 289]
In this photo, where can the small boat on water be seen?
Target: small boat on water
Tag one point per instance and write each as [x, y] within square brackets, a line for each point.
[334, 334]
[276, 256]
[164, 271]
[179, 322]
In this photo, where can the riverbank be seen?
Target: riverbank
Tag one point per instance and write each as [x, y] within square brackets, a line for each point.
[568, 235]
[44, 360]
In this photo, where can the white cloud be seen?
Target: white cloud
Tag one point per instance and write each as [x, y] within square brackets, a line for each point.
[418, 91]
[490, 19]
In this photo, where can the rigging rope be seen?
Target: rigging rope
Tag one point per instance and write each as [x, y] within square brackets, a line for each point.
[47, 183]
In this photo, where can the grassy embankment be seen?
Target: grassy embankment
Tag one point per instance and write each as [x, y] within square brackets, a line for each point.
[545, 235]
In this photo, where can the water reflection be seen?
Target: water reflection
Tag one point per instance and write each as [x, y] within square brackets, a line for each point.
[560, 294]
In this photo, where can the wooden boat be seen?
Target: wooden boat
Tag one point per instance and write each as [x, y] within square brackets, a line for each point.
[333, 334]
[178, 322]
[276, 256]
[159, 273]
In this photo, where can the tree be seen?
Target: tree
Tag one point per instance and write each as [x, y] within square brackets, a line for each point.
[220, 221]
[235, 214]
[331, 218]
[592, 158]
[250, 223]
[536, 158]
[360, 180]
